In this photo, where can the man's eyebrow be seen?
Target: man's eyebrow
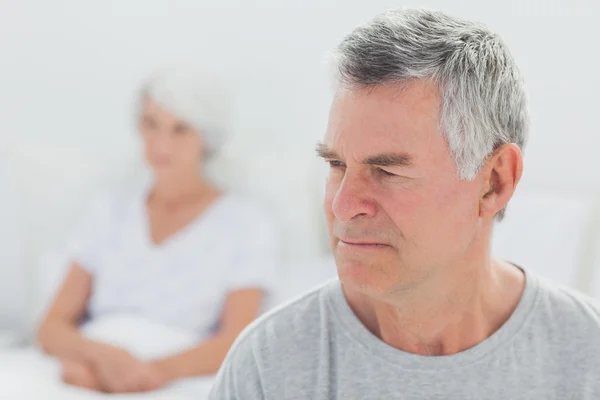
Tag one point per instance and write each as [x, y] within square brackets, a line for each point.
[390, 160]
[325, 152]
[381, 160]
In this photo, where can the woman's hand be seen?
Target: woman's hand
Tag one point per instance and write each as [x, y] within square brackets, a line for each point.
[79, 374]
[120, 372]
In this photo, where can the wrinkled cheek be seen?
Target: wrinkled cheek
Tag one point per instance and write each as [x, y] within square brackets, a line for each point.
[457, 214]
[460, 207]
[406, 208]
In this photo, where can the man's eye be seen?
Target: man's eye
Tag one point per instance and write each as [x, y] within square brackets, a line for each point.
[335, 164]
[384, 172]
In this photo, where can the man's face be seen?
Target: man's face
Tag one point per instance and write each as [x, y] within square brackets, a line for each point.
[397, 212]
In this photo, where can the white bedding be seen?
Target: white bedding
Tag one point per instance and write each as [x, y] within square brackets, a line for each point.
[28, 374]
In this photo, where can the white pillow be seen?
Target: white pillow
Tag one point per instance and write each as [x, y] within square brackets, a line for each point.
[548, 233]
[54, 184]
[301, 276]
[591, 273]
[284, 181]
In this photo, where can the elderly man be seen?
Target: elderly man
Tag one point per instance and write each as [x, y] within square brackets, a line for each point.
[424, 145]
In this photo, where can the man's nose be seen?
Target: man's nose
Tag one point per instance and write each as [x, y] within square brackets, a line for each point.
[353, 199]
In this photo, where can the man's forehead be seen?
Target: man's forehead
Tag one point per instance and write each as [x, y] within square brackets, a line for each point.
[418, 95]
[369, 122]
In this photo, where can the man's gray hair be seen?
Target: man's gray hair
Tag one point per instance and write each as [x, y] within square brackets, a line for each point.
[483, 99]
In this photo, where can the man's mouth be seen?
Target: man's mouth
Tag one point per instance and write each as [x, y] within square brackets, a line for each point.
[364, 244]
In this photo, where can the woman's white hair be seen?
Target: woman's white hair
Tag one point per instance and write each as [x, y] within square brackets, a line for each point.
[483, 98]
[195, 95]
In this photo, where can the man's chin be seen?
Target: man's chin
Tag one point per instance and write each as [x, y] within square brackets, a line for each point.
[365, 278]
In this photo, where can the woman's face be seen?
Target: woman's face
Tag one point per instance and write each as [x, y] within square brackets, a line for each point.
[171, 146]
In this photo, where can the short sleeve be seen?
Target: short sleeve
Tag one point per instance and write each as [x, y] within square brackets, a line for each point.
[88, 238]
[239, 377]
[255, 252]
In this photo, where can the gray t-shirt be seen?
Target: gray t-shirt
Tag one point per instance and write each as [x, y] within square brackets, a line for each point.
[316, 348]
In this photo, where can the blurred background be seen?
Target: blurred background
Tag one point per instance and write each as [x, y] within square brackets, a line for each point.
[70, 70]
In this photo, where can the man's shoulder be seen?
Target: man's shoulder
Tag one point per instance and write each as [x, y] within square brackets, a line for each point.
[290, 326]
[276, 347]
[571, 310]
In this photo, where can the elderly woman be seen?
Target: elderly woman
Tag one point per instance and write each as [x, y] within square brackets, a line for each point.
[176, 252]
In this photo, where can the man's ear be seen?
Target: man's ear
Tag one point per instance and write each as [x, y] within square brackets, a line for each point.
[502, 173]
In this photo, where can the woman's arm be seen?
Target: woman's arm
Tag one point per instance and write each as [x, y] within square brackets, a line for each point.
[241, 308]
[87, 363]
[59, 334]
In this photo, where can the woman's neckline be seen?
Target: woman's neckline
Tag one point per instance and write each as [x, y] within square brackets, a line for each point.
[211, 205]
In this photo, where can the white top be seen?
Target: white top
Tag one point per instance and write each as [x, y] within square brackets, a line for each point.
[183, 281]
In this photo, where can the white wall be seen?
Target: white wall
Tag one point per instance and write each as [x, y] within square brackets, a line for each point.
[13, 293]
[69, 67]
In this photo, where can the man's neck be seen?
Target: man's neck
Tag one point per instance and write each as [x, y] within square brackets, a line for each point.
[444, 317]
